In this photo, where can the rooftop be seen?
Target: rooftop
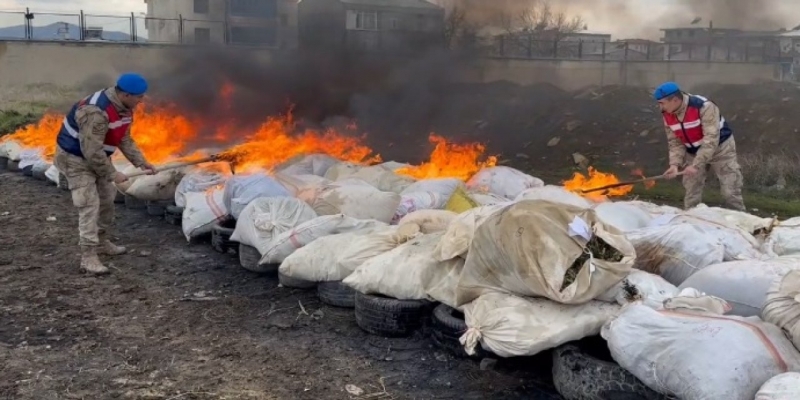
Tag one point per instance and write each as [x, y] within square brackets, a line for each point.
[422, 4]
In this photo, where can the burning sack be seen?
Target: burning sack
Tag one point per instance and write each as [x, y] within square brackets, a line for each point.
[195, 183]
[405, 271]
[459, 233]
[416, 201]
[502, 181]
[383, 179]
[545, 249]
[265, 218]
[781, 387]
[283, 245]
[314, 164]
[784, 239]
[297, 184]
[158, 187]
[697, 355]
[512, 326]
[639, 286]
[240, 190]
[782, 307]
[360, 201]
[202, 212]
[11, 150]
[335, 257]
[555, 194]
[743, 284]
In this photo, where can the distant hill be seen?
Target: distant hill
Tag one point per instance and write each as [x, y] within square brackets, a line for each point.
[51, 32]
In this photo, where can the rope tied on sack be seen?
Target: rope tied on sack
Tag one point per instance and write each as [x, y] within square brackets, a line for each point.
[470, 339]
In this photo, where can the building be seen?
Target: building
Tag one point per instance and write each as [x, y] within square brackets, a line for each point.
[371, 25]
[271, 23]
[720, 44]
[591, 42]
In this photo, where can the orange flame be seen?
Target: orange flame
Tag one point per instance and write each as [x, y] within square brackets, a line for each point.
[649, 183]
[595, 180]
[450, 160]
[39, 135]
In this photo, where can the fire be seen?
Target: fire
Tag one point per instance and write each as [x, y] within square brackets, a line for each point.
[596, 179]
[39, 135]
[274, 143]
[161, 133]
[649, 183]
[450, 160]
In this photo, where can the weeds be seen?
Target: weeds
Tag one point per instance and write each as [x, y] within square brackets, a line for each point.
[771, 170]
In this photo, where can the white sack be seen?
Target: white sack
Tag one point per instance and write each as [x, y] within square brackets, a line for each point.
[781, 387]
[654, 210]
[12, 150]
[394, 165]
[159, 187]
[202, 211]
[784, 238]
[40, 167]
[502, 181]
[399, 273]
[442, 186]
[314, 164]
[267, 217]
[733, 218]
[342, 170]
[357, 201]
[240, 190]
[29, 156]
[527, 249]
[625, 217]
[555, 194]
[383, 179]
[416, 201]
[651, 290]
[334, 257]
[461, 230]
[743, 284]
[675, 252]
[52, 174]
[739, 244]
[699, 356]
[429, 221]
[782, 307]
[196, 183]
[511, 326]
[127, 169]
[287, 242]
[488, 199]
[296, 184]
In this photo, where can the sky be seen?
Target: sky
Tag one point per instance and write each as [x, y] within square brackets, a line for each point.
[621, 18]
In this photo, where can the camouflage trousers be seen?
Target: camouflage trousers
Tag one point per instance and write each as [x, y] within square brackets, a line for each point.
[92, 195]
[725, 166]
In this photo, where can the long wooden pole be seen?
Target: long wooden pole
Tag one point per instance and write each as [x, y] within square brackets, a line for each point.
[178, 165]
[628, 183]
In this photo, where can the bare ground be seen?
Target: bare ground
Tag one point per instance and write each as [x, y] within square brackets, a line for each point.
[179, 321]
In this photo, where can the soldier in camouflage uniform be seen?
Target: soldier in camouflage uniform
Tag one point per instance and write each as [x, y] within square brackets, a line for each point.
[93, 130]
[700, 140]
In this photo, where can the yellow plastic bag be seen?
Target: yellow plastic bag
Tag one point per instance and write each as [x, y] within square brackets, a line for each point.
[460, 201]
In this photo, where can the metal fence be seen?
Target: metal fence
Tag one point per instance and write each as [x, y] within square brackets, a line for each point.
[81, 26]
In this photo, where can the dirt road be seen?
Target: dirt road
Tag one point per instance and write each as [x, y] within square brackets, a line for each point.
[179, 321]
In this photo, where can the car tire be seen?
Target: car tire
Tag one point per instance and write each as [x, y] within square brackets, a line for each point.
[389, 317]
[157, 208]
[337, 294]
[28, 170]
[580, 376]
[173, 215]
[39, 173]
[447, 327]
[294, 283]
[3, 163]
[221, 238]
[13, 165]
[249, 259]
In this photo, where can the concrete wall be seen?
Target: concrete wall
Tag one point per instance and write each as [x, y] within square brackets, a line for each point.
[24, 63]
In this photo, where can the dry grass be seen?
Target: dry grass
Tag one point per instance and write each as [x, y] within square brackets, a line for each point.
[771, 170]
[37, 99]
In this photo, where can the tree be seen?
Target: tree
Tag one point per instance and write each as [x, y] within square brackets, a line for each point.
[536, 28]
[459, 30]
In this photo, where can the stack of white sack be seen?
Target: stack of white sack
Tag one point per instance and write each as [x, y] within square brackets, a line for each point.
[11, 150]
[781, 387]
[30, 156]
[501, 181]
[353, 198]
[335, 257]
[527, 249]
[735, 219]
[265, 218]
[409, 272]
[203, 210]
[784, 239]
[460, 231]
[426, 194]
[299, 184]
[286, 243]
[198, 181]
[555, 194]
[677, 246]
[429, 221]
[743, 284]
[240, 190]
[159, 187]
[381, 177]
[622, 215]
[694, 353]
[313, 164]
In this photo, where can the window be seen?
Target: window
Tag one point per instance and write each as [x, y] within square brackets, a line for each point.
[254, 8]
[201, 6]
[367, 20]
[202, 35]
[253, 35]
